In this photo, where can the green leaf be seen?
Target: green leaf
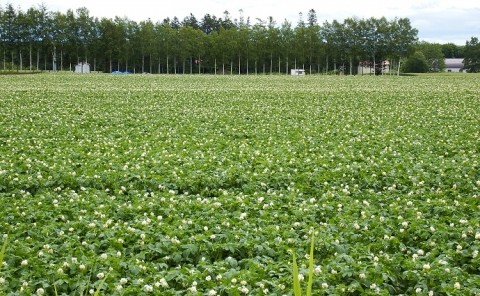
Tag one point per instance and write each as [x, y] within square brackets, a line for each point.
[296, 283]
[2, 252]
[310, 267]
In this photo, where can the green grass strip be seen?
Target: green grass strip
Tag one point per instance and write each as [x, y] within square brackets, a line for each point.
[310, 267]
[100, 286]
[296, 282]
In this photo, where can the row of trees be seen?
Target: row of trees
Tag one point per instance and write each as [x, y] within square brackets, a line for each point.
[39, 39]
[44, 40]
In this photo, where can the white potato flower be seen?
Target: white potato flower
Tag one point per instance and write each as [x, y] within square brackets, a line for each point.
[148, 288]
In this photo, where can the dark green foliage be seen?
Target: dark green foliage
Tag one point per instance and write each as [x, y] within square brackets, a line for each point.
[433, 55]
[417, 63]
[472, 55]
[452, 51]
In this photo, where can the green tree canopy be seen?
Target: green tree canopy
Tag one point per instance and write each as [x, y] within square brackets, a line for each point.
[433, 54]
[417, 63]
[40, 39]
[472, 56]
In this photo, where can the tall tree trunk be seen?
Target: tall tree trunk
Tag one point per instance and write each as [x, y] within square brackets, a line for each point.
[215, 66]
[326, 69]
[30, 55]
[231, 67]
[199, 65]
[143, 63]
[150, 63]
[279, 66]
[54, 59]
[239, 65]
[351, 65]
[271, 63]
[167, 64]
[286, 66]
[318, 65]
[38, 59]
[21, 61]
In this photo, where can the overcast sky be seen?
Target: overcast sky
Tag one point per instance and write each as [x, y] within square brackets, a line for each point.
[437, 20]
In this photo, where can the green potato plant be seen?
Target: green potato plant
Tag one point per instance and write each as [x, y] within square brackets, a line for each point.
[202, 185]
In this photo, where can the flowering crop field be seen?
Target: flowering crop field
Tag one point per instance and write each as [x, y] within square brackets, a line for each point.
[205, 185]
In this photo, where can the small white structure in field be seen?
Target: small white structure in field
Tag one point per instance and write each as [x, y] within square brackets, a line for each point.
[454, 65]
[83, 68]
[297, 72]
[367, 67]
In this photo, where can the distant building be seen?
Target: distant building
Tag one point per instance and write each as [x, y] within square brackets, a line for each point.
[297, 72]
[83, 68]
[454, 65]
[367, 68]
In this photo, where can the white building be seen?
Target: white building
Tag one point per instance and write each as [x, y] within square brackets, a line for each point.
[367, 68]
[83, 68]
[454, 65]
[297, 72]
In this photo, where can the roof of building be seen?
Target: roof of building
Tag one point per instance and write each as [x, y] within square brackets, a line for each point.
[454, 63]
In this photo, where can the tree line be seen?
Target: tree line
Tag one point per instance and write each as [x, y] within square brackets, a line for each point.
[39, 39]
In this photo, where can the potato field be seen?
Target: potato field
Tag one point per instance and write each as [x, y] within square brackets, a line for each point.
[206, 185]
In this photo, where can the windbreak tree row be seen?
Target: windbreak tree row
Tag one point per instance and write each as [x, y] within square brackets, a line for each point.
[39, 39]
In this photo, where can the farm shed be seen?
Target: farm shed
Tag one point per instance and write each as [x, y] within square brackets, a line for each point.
[297, 72]
[454, 65]
[82, 68]
[366, 67]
